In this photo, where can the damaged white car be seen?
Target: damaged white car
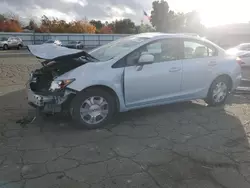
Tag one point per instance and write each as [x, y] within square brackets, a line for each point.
[133, 72]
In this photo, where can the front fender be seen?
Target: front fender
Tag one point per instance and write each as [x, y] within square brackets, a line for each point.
[112, 79]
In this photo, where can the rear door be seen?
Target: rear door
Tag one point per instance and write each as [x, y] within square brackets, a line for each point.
[199, 63]
[15, 41]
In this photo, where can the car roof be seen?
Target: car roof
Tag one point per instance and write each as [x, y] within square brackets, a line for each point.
[158, 35]
[168, 35]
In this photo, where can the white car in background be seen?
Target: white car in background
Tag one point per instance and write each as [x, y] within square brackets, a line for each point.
[51, 41]
[242, 51]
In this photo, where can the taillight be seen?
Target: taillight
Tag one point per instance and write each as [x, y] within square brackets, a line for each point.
[239, 61]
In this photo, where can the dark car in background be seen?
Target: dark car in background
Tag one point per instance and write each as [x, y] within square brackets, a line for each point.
[11, 42]
[75, 45]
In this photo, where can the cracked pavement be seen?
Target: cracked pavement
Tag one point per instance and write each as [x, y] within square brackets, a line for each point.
[184, 145]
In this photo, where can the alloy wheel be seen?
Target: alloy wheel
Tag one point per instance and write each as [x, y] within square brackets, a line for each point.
[94, 110]
[220, 92]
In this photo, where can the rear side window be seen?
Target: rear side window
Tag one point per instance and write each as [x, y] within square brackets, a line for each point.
[198, 49]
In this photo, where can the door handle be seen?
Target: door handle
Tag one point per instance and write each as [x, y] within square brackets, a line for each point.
[174, 69]
[212, 63]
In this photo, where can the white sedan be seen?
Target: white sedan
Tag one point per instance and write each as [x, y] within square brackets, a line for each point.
[133, 72]
[243, 52]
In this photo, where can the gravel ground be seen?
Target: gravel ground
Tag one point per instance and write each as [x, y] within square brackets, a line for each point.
[184, 145]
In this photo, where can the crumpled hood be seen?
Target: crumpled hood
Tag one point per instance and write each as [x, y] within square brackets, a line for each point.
[60, 54]
[50, 51]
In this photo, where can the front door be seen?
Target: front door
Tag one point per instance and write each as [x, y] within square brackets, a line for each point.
[156, 82]
[11, 42]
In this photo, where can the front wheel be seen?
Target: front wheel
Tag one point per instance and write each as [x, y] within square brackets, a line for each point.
[218, 91]
[5, 47]
[92, 109]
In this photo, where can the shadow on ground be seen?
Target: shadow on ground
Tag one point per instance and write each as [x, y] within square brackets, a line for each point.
[186, 145]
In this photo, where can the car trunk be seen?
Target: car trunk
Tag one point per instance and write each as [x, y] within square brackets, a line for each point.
[40, 79]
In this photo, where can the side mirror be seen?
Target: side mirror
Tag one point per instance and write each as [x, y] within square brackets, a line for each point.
[146, 59]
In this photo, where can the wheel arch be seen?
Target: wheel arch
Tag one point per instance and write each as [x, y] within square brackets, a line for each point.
[208, 99]
[107, 89]
[228, 77]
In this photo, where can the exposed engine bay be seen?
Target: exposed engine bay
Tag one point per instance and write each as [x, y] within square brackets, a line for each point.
[41, 79]
[42, 93]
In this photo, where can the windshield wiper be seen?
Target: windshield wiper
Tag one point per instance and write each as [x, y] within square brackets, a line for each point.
[87, 58]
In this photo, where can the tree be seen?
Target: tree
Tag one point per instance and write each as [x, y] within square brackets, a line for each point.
[125, 26]
[193, 23]
[10, 23]
[176, 21]
[143, 28]
[32, 25]
[160, 16]
[166, 20]
[2, 17]
[61, 26]
[106, 30]
[81, 27]
[45, 24]
[97, 23]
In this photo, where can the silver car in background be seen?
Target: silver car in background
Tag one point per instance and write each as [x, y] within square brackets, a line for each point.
[11, 42]
[133, 72]
[243, 52]
[75, 45]
[55, 42]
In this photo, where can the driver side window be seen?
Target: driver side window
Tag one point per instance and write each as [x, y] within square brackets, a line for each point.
[162, 50]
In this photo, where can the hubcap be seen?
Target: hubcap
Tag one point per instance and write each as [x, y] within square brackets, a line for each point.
[94, 110]
[220, 92]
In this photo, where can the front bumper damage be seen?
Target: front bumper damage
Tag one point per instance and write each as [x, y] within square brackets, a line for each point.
[51, 102]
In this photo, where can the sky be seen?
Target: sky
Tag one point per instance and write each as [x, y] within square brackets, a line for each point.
[212, 12]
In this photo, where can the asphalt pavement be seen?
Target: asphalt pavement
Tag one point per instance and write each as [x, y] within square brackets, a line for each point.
[11, 53]
[183, 145]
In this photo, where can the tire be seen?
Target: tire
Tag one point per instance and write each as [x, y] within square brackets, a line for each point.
[19, 46]
[79, 101]
[221, 97]
[5, 47]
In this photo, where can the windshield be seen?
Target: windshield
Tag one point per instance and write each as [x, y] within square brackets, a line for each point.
[4, 39]
[115, 48]
[73, 42]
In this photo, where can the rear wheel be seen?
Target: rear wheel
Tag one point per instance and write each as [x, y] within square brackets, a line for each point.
[218, 91]
[5, 47]
[92, 109]
[19, 46]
